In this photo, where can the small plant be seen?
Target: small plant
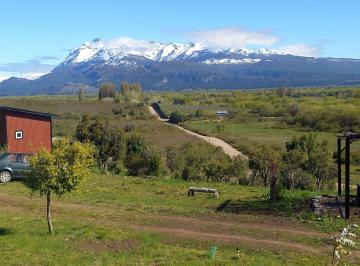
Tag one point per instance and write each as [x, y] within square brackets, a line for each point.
[343, 243]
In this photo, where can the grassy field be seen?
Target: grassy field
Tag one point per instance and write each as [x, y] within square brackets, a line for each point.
[135, 221]
[114, 220]
[254, 133]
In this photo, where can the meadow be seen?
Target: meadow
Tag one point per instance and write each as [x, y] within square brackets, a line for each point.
[123, 220]
[137, 221]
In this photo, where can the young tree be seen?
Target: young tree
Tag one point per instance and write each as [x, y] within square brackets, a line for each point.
[59, 171]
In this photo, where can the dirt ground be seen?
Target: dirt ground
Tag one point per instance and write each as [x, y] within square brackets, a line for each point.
[268, 232]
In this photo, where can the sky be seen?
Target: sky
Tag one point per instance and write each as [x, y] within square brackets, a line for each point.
[37, 35]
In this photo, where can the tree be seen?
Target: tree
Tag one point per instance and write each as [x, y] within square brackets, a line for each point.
[321, 165]
[293, 162]
[59, 171]
[81, 94]
[130, 91]
[318, 159]
[238, 169]
[262, 161]
[82, 133]
[107, 90]
[112, 148]
[109, 142]
[141, 159]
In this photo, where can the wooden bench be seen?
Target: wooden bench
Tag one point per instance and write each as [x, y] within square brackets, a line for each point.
[192, 190]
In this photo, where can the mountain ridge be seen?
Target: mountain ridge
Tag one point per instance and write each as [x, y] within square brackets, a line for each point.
[174, 66]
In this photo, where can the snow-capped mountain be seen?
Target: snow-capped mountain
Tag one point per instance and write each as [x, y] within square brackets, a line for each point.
[166, 66]
[116, 53]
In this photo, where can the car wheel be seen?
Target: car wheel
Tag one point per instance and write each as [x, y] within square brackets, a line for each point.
[5, 176]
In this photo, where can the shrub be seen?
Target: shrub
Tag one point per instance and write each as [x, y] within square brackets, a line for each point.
[176, 117]
[142, 159]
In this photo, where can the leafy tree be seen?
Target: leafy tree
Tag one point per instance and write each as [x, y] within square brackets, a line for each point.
[317, 157]
[59, 171]
[140, 159]
[238, 169]
[321, 165]
[263, 161]
[112, 148]
[109, 142]
[82, 129]
[130, 91]
[107, 90]
[293, 162]
[204, 162]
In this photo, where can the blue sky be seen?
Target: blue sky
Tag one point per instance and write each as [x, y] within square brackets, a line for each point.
[36, 35]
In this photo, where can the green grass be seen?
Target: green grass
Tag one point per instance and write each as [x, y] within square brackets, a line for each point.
[105, 208]
[260, 133]
[25, 242]
[104, 205]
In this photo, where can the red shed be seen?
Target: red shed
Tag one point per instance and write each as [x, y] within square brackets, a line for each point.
[24, 131]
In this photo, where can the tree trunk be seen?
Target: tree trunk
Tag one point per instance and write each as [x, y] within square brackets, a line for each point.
[48, 214]
[273, 189]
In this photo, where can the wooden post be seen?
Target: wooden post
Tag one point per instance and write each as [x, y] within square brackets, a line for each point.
[339, 165]
[347, 177]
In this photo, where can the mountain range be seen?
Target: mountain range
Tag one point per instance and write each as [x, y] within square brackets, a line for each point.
[175, 66]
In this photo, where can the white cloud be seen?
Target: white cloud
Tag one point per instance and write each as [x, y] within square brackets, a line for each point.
[233, 37]
[300, 49]
[30, 69]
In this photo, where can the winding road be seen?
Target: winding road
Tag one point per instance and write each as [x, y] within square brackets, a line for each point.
[228, 149]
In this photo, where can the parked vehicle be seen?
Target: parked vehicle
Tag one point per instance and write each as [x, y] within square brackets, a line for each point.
[13, 166]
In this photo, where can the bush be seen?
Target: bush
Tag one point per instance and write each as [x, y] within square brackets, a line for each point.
[141, 159]
[204, 162]
[176, 117]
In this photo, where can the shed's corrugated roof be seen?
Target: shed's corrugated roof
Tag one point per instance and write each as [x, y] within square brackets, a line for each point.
[7, 108]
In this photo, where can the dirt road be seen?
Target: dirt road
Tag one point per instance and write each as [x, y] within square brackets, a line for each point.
[228, 149]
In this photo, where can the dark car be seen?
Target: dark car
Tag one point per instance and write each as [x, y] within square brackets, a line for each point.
[13, 166]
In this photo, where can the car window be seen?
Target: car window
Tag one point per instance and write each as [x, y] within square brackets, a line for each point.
[26, 158]
[18, 158]
[12, 158]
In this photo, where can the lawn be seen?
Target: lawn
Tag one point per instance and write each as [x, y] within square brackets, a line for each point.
[114, 220]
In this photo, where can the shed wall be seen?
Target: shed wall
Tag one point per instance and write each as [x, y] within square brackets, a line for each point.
[36, 132]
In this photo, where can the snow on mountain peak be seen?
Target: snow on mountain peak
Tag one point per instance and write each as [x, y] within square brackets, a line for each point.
[114, 51]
